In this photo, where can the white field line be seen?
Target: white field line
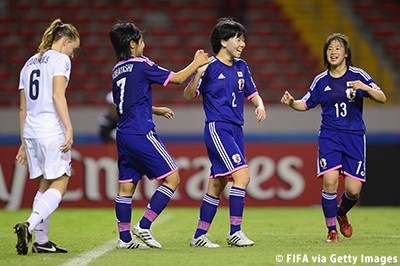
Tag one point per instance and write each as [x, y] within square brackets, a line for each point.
[85, 258]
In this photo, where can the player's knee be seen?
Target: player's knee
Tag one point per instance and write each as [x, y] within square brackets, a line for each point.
[330, 187]
[353, 193]
[172, 181]
[241, 181]
[126, 189]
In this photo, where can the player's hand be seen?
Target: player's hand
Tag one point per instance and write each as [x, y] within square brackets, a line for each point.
[67, 145]
[358, 85]
[167, 112]
[21, 155]
[260, 114]
[201, 58]
[287, 99]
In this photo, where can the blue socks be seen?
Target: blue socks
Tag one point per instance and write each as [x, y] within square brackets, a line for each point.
[123, 211]
[157, 204]
[346, 204]
[329, 207]
[236, 207]
[209, 206]
[208, 209]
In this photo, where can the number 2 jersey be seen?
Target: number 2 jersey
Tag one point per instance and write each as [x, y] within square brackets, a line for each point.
[36, 79]
[224, 88]
[341, 107]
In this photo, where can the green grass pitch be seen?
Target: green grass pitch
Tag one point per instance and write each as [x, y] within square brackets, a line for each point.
[296, 235]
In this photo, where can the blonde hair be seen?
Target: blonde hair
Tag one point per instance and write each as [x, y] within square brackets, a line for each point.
[54, 32]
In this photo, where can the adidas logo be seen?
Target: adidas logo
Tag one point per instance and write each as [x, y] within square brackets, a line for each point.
[221, 76]
[327, 88]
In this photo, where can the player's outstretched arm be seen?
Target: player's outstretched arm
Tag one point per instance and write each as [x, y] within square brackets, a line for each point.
[200, 59]
[289, 100]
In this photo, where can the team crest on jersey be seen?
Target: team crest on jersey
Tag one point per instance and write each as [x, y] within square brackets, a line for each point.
[241, 84]
[322, 163]
[236, 158]
[240, 74]
[351, 94]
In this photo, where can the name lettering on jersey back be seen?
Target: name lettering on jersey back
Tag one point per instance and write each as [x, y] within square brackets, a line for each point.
[122, 69]
[34, 61]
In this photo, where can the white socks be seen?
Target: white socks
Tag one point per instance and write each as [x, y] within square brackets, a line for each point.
[42, 229]
[42, 209]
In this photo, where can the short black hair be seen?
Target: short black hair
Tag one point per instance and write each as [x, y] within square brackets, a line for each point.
[121, 34]
[225, 29]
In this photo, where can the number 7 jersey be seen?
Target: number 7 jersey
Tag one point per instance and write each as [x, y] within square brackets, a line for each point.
[341, 105]
[36, 79]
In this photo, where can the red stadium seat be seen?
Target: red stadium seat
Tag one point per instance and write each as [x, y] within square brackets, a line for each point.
[270, 36]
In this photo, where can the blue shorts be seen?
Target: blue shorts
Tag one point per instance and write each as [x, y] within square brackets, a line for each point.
[342, 151]
[225, 148]
[143, 155]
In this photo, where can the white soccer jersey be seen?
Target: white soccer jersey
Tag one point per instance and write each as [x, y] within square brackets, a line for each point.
[36, 79]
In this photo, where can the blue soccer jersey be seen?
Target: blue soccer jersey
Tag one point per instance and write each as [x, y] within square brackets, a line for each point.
[131, 81]
[341, 107]
[224, 88]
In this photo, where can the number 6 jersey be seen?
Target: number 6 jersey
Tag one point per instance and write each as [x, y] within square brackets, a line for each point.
[36, 79]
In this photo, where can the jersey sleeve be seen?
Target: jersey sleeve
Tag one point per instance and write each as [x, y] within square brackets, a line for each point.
[250, 89]
[21, 84]
[203, 82]
[62, 66]
[370, 82]
[312, 98]
[156, 74]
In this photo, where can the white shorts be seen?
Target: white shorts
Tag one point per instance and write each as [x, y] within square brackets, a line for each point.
[45, 158]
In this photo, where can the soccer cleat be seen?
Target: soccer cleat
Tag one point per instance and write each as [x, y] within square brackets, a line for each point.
[345, 227]
[133, 244]
[48, 247]
[239, 239]
[23, 237]
[202, 241]
[332, 237]
[146, 235]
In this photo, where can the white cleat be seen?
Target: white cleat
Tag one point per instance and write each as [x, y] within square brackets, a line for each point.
[133, 244]
[146, 235]
[202, 241]
[239, 239]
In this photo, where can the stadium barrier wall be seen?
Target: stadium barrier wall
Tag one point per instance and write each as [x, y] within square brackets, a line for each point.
[383, 182]
[281, 175]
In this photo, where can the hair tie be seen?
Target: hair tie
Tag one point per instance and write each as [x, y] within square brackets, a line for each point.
[61, 24]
